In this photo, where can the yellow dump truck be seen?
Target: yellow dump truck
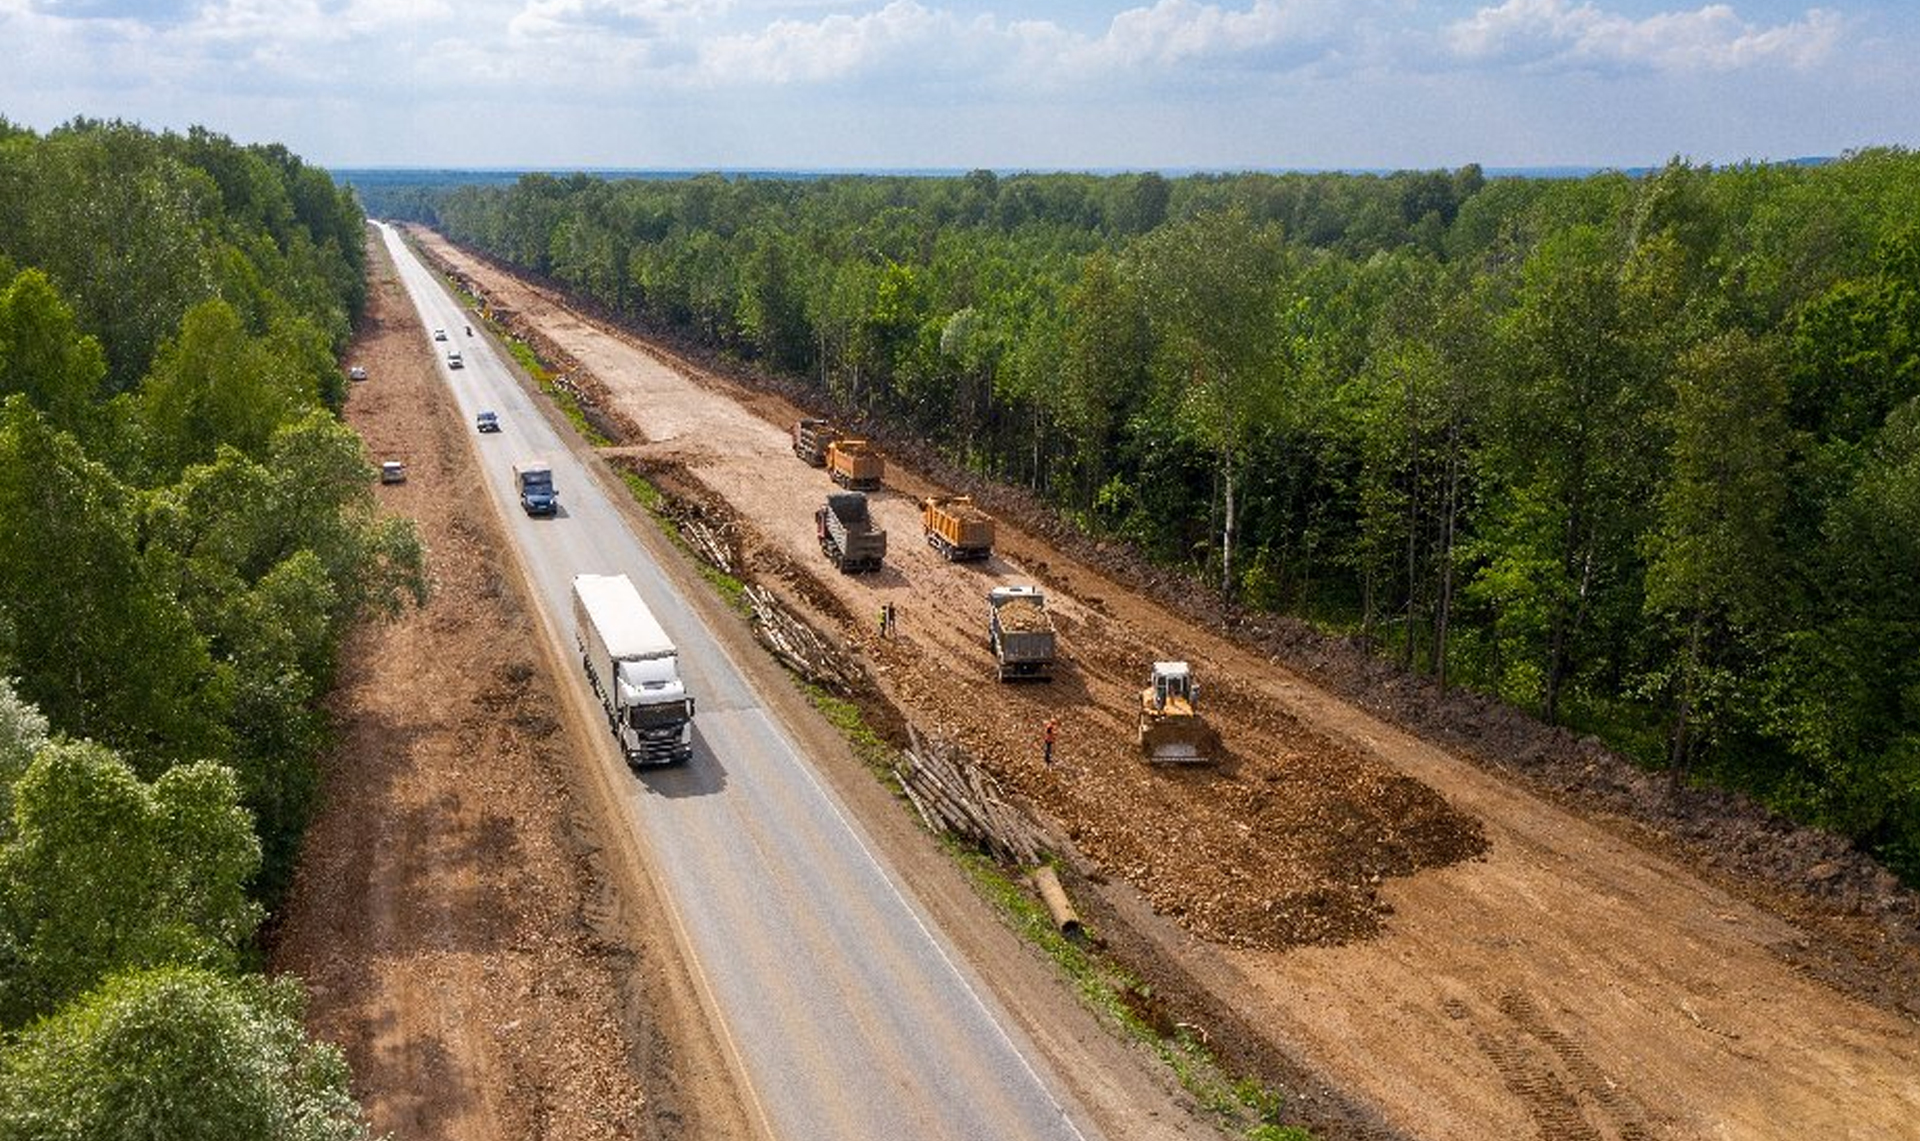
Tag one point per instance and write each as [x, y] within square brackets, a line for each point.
[854, 464]
[956, 528]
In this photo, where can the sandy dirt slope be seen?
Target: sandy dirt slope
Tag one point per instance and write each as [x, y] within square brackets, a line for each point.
[464, 938]
[1471, 960]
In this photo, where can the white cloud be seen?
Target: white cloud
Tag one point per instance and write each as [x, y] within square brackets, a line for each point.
[1713, 38]
[1175, 33]
[1172, 37]
[624, 19]
[838, 46]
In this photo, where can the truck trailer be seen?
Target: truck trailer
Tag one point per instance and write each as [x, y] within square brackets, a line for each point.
[811, 438]
[634, 670]
[847, 534]
[854, 464]
[1020, 632]
[956, 528]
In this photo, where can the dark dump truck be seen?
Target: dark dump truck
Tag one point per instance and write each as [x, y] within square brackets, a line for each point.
[1021, 632]
[811, 438]
[847, 534]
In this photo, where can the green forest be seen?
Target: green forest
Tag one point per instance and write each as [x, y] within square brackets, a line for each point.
[189, 531]
[1640, 454]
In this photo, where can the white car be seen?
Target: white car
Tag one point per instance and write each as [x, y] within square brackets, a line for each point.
[453, 359]
[393, 471]
[439, 334]
[357, 372]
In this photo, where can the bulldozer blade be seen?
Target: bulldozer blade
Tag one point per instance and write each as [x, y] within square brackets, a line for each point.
[1178, 743]
[1177, 753]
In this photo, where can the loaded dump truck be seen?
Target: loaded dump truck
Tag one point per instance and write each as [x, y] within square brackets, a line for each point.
[854, 464]
[634, 670]
[810, 440]
[956, 528]
[1171, 730]
[847, 533]
[533, 479]
[1020, 632]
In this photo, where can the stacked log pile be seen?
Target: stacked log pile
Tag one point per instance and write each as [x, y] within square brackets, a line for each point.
[953, 794]
[714, 542]
[801, 647]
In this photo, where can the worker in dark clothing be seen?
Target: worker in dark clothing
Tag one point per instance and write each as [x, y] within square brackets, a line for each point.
[1046, 741]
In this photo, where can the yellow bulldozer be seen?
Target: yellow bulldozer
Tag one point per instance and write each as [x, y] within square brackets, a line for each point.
[1171, 728]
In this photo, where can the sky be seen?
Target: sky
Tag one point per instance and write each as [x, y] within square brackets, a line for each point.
[959, 84]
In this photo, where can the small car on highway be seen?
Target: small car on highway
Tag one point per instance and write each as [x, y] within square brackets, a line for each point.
[439, 334]
[486, 422]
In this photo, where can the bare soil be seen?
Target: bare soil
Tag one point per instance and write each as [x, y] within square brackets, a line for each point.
[464, 934]
[1407, 931]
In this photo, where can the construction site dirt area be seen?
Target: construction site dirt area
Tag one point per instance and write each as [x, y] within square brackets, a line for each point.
[1441, 946]
[461, 936]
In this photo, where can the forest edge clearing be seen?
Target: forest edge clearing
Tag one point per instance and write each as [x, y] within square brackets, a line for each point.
[1569, 942]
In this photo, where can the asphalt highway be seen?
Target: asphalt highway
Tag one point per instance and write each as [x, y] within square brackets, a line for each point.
[851, 1017]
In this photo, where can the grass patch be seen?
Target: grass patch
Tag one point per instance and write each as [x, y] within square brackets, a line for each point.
[1244, 1105]
[731, 590]
[846, 717]
[644, 492]
[562, 398]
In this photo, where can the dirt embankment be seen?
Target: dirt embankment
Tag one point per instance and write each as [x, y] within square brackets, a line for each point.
[1418, 930]
[461, 934]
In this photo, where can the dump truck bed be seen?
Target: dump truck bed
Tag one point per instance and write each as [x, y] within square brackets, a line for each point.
[854, 464]
[956, 528]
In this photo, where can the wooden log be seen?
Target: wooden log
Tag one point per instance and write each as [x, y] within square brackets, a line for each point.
[1058, 906]
[919, 806]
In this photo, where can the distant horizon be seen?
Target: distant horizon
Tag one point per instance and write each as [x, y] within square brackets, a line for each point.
[668, 173]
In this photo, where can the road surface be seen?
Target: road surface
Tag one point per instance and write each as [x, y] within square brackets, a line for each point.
[850, 1017]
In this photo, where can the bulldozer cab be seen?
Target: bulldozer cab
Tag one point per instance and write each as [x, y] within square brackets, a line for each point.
[1172, 680]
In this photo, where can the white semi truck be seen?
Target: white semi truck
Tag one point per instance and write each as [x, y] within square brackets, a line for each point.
[634, 669]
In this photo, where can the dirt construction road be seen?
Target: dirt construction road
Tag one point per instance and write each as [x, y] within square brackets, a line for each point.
[1461, 956]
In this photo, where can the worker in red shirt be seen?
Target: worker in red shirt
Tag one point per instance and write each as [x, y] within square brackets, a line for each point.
[1046, 741]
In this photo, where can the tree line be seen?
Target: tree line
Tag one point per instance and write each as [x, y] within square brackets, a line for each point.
[1638, 453]
[189, 532]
